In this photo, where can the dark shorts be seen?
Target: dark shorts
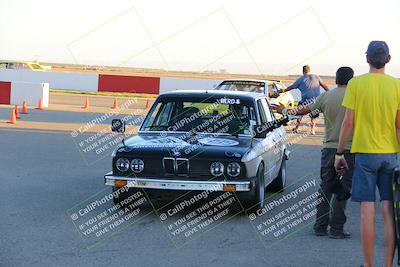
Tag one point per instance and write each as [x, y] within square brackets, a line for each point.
[314, 114]
[372, 171]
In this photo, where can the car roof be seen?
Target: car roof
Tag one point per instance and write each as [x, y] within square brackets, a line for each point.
[216, 93]
[252, 80]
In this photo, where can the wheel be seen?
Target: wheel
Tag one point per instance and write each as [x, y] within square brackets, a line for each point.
[260, 187]
[278, 184]
[255, 199]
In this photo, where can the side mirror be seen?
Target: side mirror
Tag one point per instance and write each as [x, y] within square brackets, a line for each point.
[273, 94]
[261, 131]
[118, 126]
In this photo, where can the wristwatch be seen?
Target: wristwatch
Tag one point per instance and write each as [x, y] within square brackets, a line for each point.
[339, 156]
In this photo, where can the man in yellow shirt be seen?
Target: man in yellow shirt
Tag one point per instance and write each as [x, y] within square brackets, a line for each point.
[372, 104]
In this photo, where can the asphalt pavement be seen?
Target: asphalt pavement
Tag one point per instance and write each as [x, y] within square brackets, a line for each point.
[45, 180]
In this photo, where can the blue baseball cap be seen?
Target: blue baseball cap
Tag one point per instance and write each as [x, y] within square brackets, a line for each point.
[378, 47]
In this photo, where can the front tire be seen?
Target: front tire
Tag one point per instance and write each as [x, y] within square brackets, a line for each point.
[260, 187]
[278, 184]
[256, 197]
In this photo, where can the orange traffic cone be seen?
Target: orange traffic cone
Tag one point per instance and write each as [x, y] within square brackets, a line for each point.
[13, 117]
[40, 105]
[147, 104]
[86, 104]
[24, 108]
[16, 112]
[115, 106]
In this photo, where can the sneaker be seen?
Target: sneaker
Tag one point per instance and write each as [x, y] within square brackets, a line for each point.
[339, 235]
[320, 232]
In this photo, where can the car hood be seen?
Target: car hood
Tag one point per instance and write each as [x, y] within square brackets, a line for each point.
[207, 146]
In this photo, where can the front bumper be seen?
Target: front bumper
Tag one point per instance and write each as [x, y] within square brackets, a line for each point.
[150, 183]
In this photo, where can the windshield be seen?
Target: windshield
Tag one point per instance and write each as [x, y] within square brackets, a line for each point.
[223, 115]
[245, 86]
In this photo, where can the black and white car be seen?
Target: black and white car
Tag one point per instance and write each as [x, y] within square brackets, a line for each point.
[204, 140]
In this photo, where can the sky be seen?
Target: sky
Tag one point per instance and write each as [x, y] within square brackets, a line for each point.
[251, 37]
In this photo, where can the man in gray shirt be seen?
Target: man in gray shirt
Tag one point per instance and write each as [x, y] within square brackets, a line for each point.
[309, 86]
[330, 103]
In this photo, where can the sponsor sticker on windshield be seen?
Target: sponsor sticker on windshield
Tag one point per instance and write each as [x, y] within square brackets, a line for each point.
[243, 83]
[230, 101]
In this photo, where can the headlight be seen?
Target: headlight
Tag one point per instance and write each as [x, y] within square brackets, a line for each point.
[233, 169]
[137, 165]
[217, 168]
[122, 164]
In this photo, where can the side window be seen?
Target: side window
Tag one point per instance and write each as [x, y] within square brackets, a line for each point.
[271, 89]
[164, 115]
[150, 120]
[252, 114]
[268, 115]
[261, 110]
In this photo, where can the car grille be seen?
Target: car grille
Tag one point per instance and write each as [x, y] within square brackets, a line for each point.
[182, 167]
[176, 168]
[169, 166]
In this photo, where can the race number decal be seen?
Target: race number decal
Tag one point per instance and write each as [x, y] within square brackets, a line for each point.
[230, 101]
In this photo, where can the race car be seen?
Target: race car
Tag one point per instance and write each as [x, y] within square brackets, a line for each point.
[203, 140]
[274, 89]
[33, 66]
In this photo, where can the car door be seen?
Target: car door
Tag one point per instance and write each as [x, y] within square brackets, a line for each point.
[278, 139]
[268, 143]
[285, 98]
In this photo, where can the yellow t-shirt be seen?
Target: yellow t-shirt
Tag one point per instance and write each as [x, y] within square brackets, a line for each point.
[375, 99]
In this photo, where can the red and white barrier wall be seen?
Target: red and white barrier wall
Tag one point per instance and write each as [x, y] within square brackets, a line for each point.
[5, 92]
[58, 80]
[101, 82]
[151, 85]
[15, 93]
[170, 84]
[30, 93]
[131, 84]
